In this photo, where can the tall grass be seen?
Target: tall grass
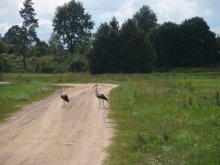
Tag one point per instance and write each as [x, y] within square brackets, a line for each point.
[167, 119]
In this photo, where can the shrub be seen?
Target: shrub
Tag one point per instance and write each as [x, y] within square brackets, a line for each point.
[78, 64]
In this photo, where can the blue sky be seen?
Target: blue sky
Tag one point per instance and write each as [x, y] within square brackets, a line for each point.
[103, 10]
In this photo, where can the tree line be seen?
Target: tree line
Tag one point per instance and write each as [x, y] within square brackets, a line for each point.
[139, 45]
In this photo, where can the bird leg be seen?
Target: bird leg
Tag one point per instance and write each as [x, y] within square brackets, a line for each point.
[63, 105]
[99, 103]
[103, 103]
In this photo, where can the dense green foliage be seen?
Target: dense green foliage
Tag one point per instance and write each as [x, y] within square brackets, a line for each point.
[13, 38]
[121, 51]
[105, 54]
[55, 44]
[44, 64]
[145, 18]
[73, 25]
[137, 54]
[199, 39]
[189, 44]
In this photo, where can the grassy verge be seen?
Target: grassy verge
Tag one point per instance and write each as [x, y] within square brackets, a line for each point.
[14, 96]
[167, 119]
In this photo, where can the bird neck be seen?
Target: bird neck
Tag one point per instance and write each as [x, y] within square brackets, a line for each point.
[62, 93]
[96, 90]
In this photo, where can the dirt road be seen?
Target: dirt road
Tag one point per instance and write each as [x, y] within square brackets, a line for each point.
[45, 133]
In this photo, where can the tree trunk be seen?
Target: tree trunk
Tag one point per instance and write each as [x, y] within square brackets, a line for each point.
[24, 61]
[24, 56]
[24, 53]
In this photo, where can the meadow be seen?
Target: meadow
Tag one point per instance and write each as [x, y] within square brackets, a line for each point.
[169, 118]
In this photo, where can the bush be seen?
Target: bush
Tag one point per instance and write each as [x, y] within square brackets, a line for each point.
[44, 64]
[47, 64]
[2, 48]
[78, 64]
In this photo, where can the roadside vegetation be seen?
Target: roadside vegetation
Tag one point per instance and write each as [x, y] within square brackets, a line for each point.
[169, 118]
[16, 95]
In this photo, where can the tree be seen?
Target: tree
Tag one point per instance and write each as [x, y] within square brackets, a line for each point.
[105, 56]
[30, 23]
[73, 24]
[114, 47]
[114, 24]
[218, 42]
[2, 47]
[166, 41]
[13, 38]
[39, 49]
[198, 43]
[55, 45]
[124, 50]
[145, 18]
[13, 35]
[98, 52]
[189, 44]
[137, 53]
[218, 46]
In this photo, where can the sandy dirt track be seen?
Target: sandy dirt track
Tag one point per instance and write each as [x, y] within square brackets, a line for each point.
[45, 133]
[1, 82]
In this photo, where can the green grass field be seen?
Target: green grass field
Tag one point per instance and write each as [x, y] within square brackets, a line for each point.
[14, 96]
[160, 118]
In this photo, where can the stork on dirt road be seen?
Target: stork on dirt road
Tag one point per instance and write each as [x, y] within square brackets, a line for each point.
[100, 96]
[64, 97]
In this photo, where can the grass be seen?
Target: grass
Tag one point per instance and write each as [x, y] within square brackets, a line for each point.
[168, 119]
[14, 96]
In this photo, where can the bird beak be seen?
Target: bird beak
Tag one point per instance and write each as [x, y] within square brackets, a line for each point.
[95, 86]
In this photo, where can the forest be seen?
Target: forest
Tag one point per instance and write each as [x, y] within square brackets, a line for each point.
[139, 45]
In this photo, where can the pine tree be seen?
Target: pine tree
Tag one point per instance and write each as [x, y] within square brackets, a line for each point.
[30, 23]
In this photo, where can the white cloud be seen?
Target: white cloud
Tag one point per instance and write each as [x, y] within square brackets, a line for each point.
[8, 7]
[47, 7]
[208, 12]
[216, 29]
[4, 27]
[45, 23]
[45, 29]
[125, 11]
[102, 5]
[176, 10]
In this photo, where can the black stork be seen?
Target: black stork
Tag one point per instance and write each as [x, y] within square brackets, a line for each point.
[64, 97]
[100, 96]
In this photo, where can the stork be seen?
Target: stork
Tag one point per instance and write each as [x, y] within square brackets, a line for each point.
[100, 96]
[64, 97]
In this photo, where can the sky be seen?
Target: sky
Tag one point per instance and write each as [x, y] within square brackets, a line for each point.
[103, 10]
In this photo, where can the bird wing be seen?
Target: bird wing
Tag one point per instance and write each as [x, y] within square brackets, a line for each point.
[65, 97]
[103, 97]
